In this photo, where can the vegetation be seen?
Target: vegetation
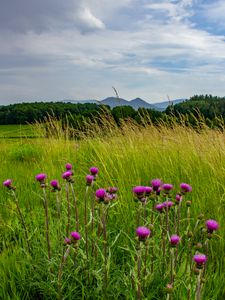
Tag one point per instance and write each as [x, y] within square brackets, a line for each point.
[127, 156]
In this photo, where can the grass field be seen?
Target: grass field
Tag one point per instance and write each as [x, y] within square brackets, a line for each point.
[17, 131]
[125, 159]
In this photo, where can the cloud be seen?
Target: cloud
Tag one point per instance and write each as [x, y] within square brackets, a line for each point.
[144, 48]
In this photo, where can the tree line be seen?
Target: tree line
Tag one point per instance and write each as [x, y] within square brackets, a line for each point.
[210, 107]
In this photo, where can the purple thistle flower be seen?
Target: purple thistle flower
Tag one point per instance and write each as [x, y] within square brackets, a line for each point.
[178, 198]
[100, 194]
[185, 188]
[41, 177]
[94, 171]
[68, 167]
[112, 190]
[139, 190]
[174, 240]
[89, 179]
[167, 187]
[211, 225]
[75, 235]
[200, 260]
[55, 184]
[7, 183]
[156, 183]
[148, 190]
[66, 175]
[67, 241]
[142, 233]
[168, 204]
[159, 207]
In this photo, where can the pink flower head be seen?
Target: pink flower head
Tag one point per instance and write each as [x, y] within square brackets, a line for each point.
[159, 207]
[41, 177]
[148, 190]
[200, 260]
[112, 190]
[168, 204]
[75, 235]
[142, 233]
[89, 179]
[211, 225]
[67, 174]
[55, 184]
[94, 171]
[185, 188]
[7, 183]
[100, 194]
[68, 167]
[174, 240]
[178, 198]
[67, 241]
[167, 187]
[139, 190]
[156, 183]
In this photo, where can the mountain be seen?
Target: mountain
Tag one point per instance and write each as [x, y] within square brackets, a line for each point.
[138, 102]
[135, 103]
[163, 105]
[114, 101]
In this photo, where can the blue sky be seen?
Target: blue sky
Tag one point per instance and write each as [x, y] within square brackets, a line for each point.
[79, 49]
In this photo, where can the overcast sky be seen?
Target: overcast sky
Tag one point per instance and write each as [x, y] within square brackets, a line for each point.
[79, 49]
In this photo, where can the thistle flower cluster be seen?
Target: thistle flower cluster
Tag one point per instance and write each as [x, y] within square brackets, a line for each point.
[106, 195]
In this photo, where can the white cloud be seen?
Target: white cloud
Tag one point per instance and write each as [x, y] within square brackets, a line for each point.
[152, 60]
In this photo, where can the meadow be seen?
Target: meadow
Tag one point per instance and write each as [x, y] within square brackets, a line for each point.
[126, 157]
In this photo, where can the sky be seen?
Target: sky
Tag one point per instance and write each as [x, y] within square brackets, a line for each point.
[52, 50]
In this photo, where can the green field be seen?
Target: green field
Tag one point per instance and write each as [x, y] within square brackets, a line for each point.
[125, 158]
[17, 131]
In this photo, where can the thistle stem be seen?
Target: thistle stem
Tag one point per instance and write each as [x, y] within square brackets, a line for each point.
[105, 247]
[198, 287]
[45, 202]
[64, 257]
[75, 207]
[139, 272]
[22, 221]
[68, 210]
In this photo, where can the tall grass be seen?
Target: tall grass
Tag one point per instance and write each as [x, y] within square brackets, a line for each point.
[126, 156]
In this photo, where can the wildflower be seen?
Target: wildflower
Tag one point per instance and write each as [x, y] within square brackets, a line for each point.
[66, 175]
[159, 207]
[174, 240]
[156, 183]
[178, 198]
[55, 184]
[167, 187]
[8, 183]
[100, 194]
[185, 188]
[142, 233]
[167, 204]
[68, 167]
[75, 236]
[212, 225]
[112, 190]
[148, 190]
[200, 260]
[67, 241]
[89, 179]
[139, 191]
[94, 171]
[41, 177]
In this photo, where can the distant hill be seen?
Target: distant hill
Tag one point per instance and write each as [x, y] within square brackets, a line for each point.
[163, 105]
[114, 101]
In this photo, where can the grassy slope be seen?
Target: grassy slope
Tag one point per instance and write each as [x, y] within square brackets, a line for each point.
[16, 131]
[124, 160]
